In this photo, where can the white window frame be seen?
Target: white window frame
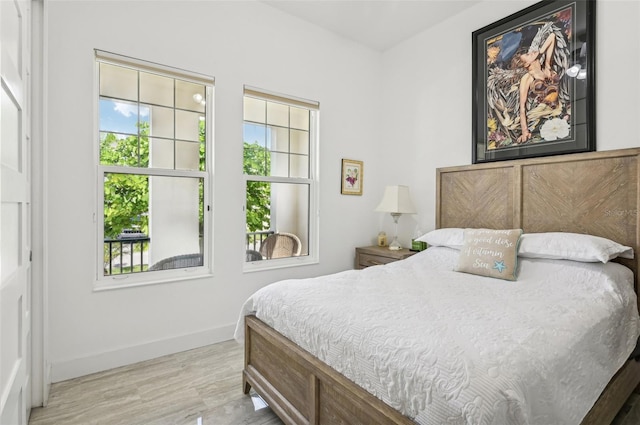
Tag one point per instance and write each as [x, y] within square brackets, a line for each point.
[313, 182]
[101, 281]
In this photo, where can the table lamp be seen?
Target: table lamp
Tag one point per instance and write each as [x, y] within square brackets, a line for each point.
[396, 200]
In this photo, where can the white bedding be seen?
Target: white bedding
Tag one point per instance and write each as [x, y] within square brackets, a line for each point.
[444, 347]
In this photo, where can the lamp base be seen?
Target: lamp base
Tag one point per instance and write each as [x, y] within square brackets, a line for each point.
[395, 245]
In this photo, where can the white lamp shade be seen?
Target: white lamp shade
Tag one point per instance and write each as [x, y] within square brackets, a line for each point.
[396, 199]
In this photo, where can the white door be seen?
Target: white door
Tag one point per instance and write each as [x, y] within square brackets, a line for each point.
[15, 220]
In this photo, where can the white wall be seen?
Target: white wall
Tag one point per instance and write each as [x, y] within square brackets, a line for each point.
[238, 43]
[427, 98]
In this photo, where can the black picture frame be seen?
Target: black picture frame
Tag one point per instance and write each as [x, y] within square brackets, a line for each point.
[510, 57]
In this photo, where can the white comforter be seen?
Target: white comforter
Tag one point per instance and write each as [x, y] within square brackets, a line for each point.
[451, 348]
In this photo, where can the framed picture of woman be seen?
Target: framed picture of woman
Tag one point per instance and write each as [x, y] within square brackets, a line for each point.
[534, 83]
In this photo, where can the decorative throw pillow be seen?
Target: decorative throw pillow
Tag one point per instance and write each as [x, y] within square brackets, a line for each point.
[492, 253]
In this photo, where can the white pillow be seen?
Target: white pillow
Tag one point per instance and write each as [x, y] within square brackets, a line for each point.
[571, 246]
[451, 237]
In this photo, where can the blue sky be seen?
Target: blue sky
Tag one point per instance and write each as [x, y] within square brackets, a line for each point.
[121, 117]
[255, 132]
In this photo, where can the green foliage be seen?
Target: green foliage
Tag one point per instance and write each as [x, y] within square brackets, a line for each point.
[257, 162]
[126, 203]
[126, 196]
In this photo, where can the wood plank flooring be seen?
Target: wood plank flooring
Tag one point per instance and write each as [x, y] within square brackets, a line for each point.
[196, 387]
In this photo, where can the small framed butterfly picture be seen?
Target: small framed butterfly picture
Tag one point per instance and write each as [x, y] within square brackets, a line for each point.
[352, 172]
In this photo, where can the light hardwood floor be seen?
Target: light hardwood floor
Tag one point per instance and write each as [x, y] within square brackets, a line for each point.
[196, 387]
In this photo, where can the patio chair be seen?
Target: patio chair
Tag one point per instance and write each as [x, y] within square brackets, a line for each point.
[253, 255]
[281, 245]
[178, 262]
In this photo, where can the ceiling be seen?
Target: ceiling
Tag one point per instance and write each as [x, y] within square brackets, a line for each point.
[378, 24]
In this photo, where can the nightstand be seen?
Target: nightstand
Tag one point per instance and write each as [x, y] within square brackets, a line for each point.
[367, 256]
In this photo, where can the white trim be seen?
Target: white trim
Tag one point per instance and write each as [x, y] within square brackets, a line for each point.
[45, 207]
[150, 278]
[209, 183]
[63, 370]
[278, 179]
[280, 263]
[40, 379]
[162, 172]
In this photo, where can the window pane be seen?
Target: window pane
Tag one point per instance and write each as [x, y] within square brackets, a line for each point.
[203, 155]
[255, 110]
[299, 166]
[299, 118]
[144, 151]
[300, 142]
[176, 221]
[151, 220]
[119, 82]
[161, 124]
[258, 214]
[255, 133]
[187, 156]
[188, 125]
[279, 164]
[257, 161]
[277, 114]
[281, 209]
[256, 156]
[118, 117]
[190, 96]
[156, 89]
[119, 149]
[161, 153]
[279, 139]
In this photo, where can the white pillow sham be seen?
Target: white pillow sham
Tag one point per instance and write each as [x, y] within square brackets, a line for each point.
[549, 245]
[571, 246]
[451, 237]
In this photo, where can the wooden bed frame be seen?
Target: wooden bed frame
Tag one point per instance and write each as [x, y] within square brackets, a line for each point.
[595, 193]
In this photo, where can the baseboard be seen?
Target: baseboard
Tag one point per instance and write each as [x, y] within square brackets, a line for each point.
[69, 369]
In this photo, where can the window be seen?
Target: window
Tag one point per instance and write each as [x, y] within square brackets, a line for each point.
[154, 173]
[280, 145]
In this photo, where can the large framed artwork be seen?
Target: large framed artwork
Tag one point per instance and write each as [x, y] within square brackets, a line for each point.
[534, 83]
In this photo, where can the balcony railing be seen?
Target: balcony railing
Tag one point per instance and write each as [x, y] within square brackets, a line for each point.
[118, 251]
[132, 250]
[255, 239]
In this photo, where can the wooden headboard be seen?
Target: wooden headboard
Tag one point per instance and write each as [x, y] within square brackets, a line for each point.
[595, 193]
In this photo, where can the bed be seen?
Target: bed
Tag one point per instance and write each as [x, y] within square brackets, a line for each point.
[593, 193]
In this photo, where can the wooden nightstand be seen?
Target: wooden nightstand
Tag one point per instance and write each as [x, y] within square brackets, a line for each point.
[375, 255]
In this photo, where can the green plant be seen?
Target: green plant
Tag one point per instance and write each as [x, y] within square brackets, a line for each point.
[126, 196]
[257, 162]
